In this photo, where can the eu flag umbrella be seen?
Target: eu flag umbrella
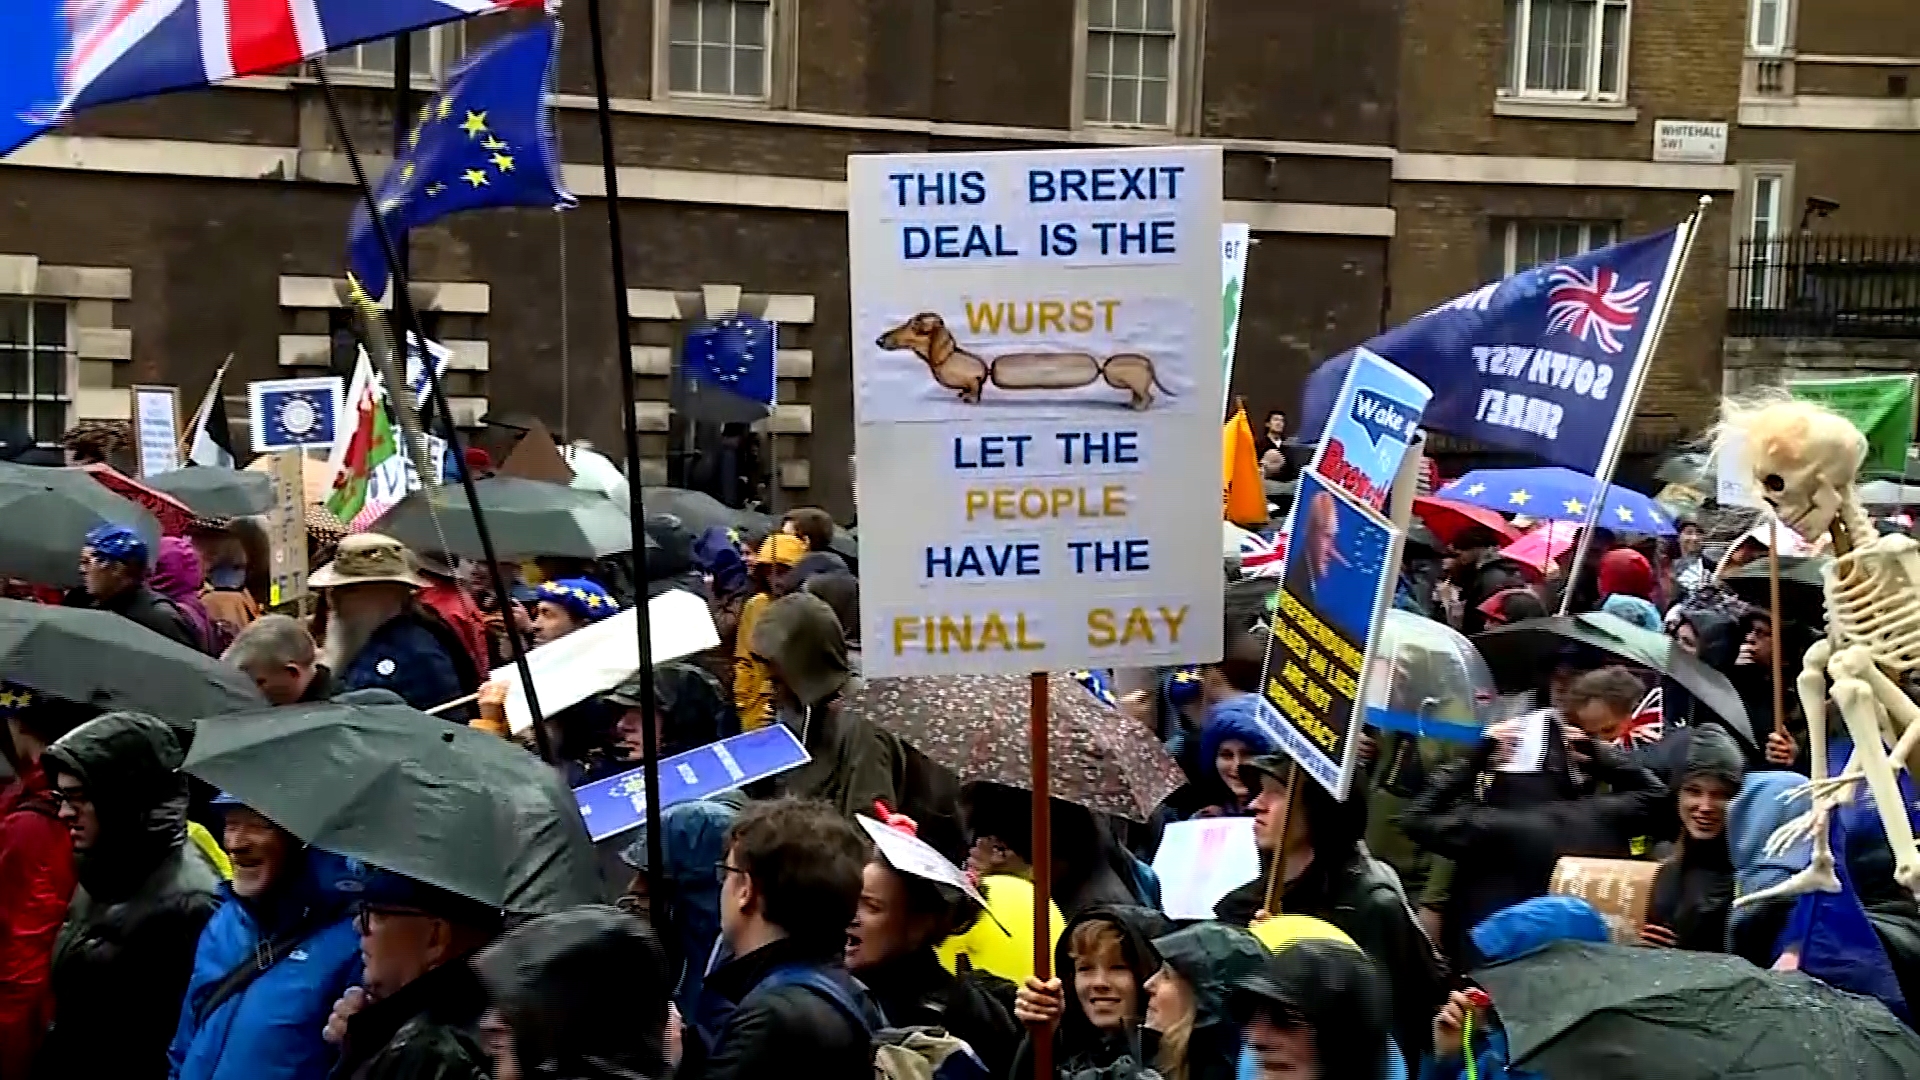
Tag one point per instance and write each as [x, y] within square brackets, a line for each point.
[726, 371]
[1556, 494]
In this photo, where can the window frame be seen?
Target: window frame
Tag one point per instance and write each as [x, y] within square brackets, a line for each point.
[1513, 77]
[777, 66]
[1510, 238]
[1783, 19]
[1179, 62]
[1765, 284]
[440, 59]
[69, 352]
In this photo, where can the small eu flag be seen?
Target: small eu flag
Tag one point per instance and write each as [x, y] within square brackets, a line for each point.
[291, 414]
[727, 371]
[484, 141]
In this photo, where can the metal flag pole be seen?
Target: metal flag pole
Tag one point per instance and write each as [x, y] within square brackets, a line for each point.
[1617, 439]
[629, 429]
[1039, 753]
[1773, 608]
[403, 306]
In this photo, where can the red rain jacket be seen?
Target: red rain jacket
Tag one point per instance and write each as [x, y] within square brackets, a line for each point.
[36, 882]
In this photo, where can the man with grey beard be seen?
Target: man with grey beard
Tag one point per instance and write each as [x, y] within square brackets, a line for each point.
[377, 636]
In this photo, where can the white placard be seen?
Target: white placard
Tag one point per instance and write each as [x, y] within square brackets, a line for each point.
[1732, 485]
[597, 658]
[1037, 387]
[1201, 861]
[156, 428]
[912, 855]
[1700, 142]
[1234, 241]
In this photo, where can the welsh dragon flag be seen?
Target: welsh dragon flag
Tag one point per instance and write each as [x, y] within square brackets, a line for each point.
[370, 472]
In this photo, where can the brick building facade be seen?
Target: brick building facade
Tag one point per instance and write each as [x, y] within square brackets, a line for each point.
[168, 233]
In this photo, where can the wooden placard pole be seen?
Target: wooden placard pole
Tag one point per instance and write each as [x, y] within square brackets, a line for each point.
[1277, 866]
[1039, 754]
[1773, 599]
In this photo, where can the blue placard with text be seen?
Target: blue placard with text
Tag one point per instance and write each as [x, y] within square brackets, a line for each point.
[619, 803]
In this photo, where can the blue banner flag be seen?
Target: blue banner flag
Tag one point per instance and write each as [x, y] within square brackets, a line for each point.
[619, 803]
[484, 141]
[727, 371]
[67, 55]
[1541, 362]
[293, 414]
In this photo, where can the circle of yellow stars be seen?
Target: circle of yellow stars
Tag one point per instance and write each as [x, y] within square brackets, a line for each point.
[475, 126]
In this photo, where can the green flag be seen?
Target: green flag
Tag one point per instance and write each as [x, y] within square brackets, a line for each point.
[1881, 406]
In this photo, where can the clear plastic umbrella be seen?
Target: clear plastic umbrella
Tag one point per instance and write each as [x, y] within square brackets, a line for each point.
[1428, 680]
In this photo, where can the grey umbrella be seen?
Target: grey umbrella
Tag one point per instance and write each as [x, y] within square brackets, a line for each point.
[527, 518]
[216, 492]
[101, 659]
[45, 515]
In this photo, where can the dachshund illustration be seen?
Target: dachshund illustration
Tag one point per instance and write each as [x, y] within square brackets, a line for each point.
[926, 336]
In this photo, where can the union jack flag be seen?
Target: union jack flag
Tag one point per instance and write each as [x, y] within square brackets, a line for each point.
[1260, 557]
[1592, 305]
[103, 51]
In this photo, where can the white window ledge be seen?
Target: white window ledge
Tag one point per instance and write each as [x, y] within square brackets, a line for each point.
[1538, 109]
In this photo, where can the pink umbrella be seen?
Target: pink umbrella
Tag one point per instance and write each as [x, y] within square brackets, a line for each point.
[1544, 544]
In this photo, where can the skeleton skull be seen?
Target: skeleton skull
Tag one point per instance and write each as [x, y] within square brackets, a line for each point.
[1800, 459]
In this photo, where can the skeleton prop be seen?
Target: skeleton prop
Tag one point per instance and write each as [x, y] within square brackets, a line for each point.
[1803, 459]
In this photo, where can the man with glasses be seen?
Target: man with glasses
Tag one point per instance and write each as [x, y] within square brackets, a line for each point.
[780, 1001]
[123, 956]
[114, 564]
[417, 1011]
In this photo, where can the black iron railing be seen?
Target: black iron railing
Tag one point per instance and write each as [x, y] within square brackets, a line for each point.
[1826, 286]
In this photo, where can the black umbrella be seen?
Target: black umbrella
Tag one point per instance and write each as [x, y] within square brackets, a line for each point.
[217, 493]
[99, 658]
[1803, 595]
[699, 511]
[1580, 1011]
[1525, 652]
[45, 515]
[527, 518]
[440, 803]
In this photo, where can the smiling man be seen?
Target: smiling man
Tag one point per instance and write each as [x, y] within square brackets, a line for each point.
[287, 927]
[121, 962]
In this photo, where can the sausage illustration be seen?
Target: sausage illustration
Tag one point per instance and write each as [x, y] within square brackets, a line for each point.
[952, 366]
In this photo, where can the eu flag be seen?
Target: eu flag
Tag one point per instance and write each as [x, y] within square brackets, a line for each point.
[727, 371]
[484, 141]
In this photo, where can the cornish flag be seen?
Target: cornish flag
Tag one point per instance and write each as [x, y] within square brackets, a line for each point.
[66, 55]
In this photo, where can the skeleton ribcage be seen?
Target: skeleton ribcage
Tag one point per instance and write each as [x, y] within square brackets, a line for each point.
[1871, 602]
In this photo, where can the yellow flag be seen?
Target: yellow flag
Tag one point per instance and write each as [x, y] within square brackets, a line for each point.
[1243, 496]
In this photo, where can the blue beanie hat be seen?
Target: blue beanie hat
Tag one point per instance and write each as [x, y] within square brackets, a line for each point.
[583, 599]
[1245, 717]
[1183, 685]
[117, 543]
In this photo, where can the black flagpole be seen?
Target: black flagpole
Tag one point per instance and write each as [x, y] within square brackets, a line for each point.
[629, 426]
[403, 307]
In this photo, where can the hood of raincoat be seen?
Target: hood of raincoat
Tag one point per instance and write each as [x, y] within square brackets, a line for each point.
[716, 556]
[1752, 817]
[1138, 928]
[176, 575]
[1624, 570]
[1340, 994]
[1713, 630]
[1532, 925]
[674, 555]
[801, 636]
[584, 993]
[1213, 958]
[130, 765]
[1234, 718]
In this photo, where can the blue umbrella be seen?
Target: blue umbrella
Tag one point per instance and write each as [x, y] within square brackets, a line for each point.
[1555, 494]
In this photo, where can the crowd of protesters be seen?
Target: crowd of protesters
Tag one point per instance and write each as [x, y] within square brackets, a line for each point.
[149, 928]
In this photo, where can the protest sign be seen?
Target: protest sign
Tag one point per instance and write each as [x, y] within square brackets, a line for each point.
[156, 428]
[1620, 889]
[292, 414]
[1234, 241]
[1341, 563]
[1881, 406]
[1373, 423]
[912, 855]
[1732, 482]
[1202, 860]
[1036, 404]
[618, 803]
[286, 524]
[599, 657]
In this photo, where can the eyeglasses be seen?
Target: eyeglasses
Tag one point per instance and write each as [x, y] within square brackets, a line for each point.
[70, 796]
[721, 870]
[362, 916]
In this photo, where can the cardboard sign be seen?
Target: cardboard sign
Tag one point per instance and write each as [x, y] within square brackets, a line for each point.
[1202, 860]
[287, 528]
[156, 428]
[537, 457]
[912, 855]
[1620, 889]
[1037, 371]
[1372, 426]
[614, 805]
